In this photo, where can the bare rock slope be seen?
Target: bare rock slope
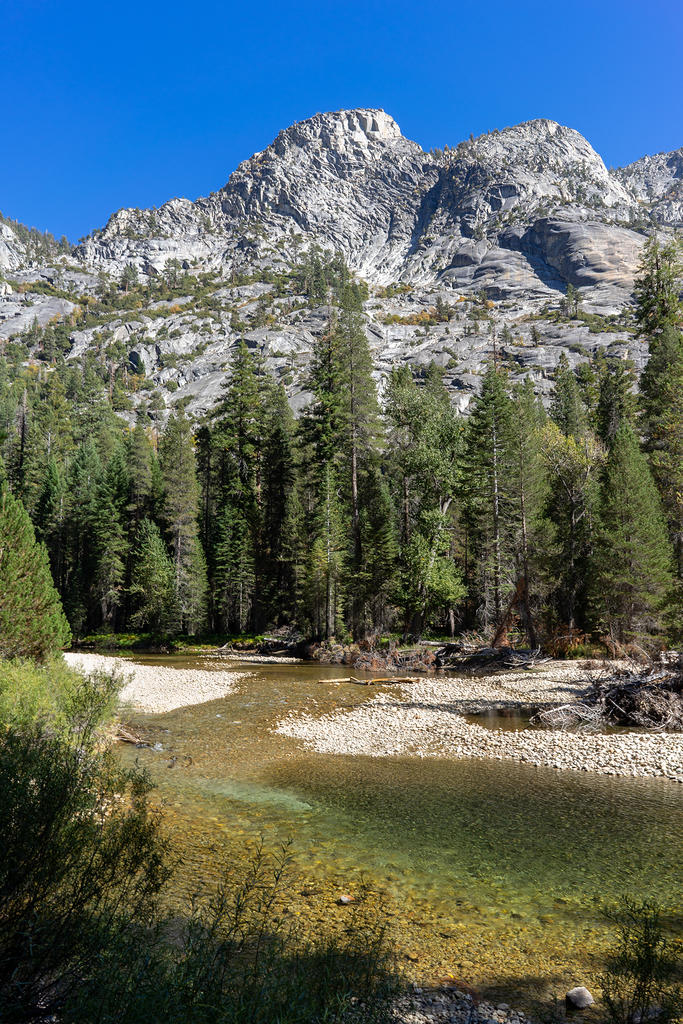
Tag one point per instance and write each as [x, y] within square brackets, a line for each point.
[508, 220]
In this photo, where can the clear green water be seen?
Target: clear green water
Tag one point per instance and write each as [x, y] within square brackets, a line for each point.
[492, 871]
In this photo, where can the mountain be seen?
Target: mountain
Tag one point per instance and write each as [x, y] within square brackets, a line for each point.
[498, 227]
[521, 210]
[657, 183]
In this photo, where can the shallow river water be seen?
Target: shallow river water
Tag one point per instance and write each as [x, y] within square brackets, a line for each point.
[493, 872]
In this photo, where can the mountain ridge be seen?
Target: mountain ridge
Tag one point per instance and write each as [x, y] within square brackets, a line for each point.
[504, 223]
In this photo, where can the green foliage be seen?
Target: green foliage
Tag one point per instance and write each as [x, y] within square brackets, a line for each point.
[31, 691]
[80, 845]
[642, 977]
[657, 286]
[84, 864]
[32, 623]
[153, 583]
[630, 568]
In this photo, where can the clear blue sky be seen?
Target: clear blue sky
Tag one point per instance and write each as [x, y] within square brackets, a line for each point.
[126, 103]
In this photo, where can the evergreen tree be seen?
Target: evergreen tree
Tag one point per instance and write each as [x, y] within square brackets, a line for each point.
[324, 439]
[281, 568]
[657, 287]
[567, 408]
[487, 487]
[616, 399]
[153, 583]
[659, 314]
[361, 428]
[572, 467]
[527, 494]
[631, 577]
[181, 509]
[32, 623]
[425, 445]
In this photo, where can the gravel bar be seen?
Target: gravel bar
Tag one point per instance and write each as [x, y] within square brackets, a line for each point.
[158, 688]
[425, 719]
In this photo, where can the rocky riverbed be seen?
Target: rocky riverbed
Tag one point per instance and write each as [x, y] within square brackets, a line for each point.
[450, 1006]
[158, 688]
[426, 719]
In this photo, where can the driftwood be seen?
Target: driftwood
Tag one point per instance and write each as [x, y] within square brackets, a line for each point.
[649, 698]
[123, 735]
[381, 681]
[465, 656]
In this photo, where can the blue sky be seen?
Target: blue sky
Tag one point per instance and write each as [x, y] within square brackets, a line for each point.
[130, 103]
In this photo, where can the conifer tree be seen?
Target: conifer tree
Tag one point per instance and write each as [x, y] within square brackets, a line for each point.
[572, 466]
[152, 586]
[181, 510]
[657, 287]
[631, 577]
[660, 316]
[425, 445]
[324, 438]
[567, 409]
[616, 399]
[361, 428]
[32, 623]
[528, 494]
[282, 514]
[487, 486]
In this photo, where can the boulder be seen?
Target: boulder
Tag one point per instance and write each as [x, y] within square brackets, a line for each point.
[578, 998]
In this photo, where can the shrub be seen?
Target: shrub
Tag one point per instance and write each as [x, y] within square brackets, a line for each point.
[31, 692]
[83, 867]
[639, 981]
[81, 863]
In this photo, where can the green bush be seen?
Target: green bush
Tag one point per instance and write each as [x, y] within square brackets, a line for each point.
[31, 692]
[642, 977]
[82, 858]
[83, 868]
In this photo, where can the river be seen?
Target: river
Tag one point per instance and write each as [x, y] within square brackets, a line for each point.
[492, 872]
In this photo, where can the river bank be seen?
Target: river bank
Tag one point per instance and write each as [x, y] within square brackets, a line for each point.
[155, 689]
[426, 719]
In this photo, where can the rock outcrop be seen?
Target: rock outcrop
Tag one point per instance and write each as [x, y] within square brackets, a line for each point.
[508, 220]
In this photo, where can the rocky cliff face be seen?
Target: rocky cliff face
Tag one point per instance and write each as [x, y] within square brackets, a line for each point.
[526, 209]
[657, 183]
[507, 221]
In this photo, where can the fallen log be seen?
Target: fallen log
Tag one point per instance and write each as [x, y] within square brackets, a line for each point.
[380, 681]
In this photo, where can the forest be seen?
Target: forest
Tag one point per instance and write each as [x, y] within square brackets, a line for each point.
[378, 511]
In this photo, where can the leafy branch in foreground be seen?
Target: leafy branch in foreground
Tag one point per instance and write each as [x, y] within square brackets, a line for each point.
[83, 937]
[642, 977]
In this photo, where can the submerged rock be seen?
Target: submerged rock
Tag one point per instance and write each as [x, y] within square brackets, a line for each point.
[578, 998]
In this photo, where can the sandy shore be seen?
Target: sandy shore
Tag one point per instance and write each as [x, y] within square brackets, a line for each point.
[158, 688]
[425, 720]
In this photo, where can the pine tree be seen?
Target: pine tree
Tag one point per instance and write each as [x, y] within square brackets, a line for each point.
[572, 467]
[527, 496]
[566, 408]
[656, 287]
[425, 445]
[181, 510]
[616, 399]
[32, 623]
[631, 564]
[361, 429]
[324, 439]
[280, 572]
[487, 486]
[153, 582]
[659, 314]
